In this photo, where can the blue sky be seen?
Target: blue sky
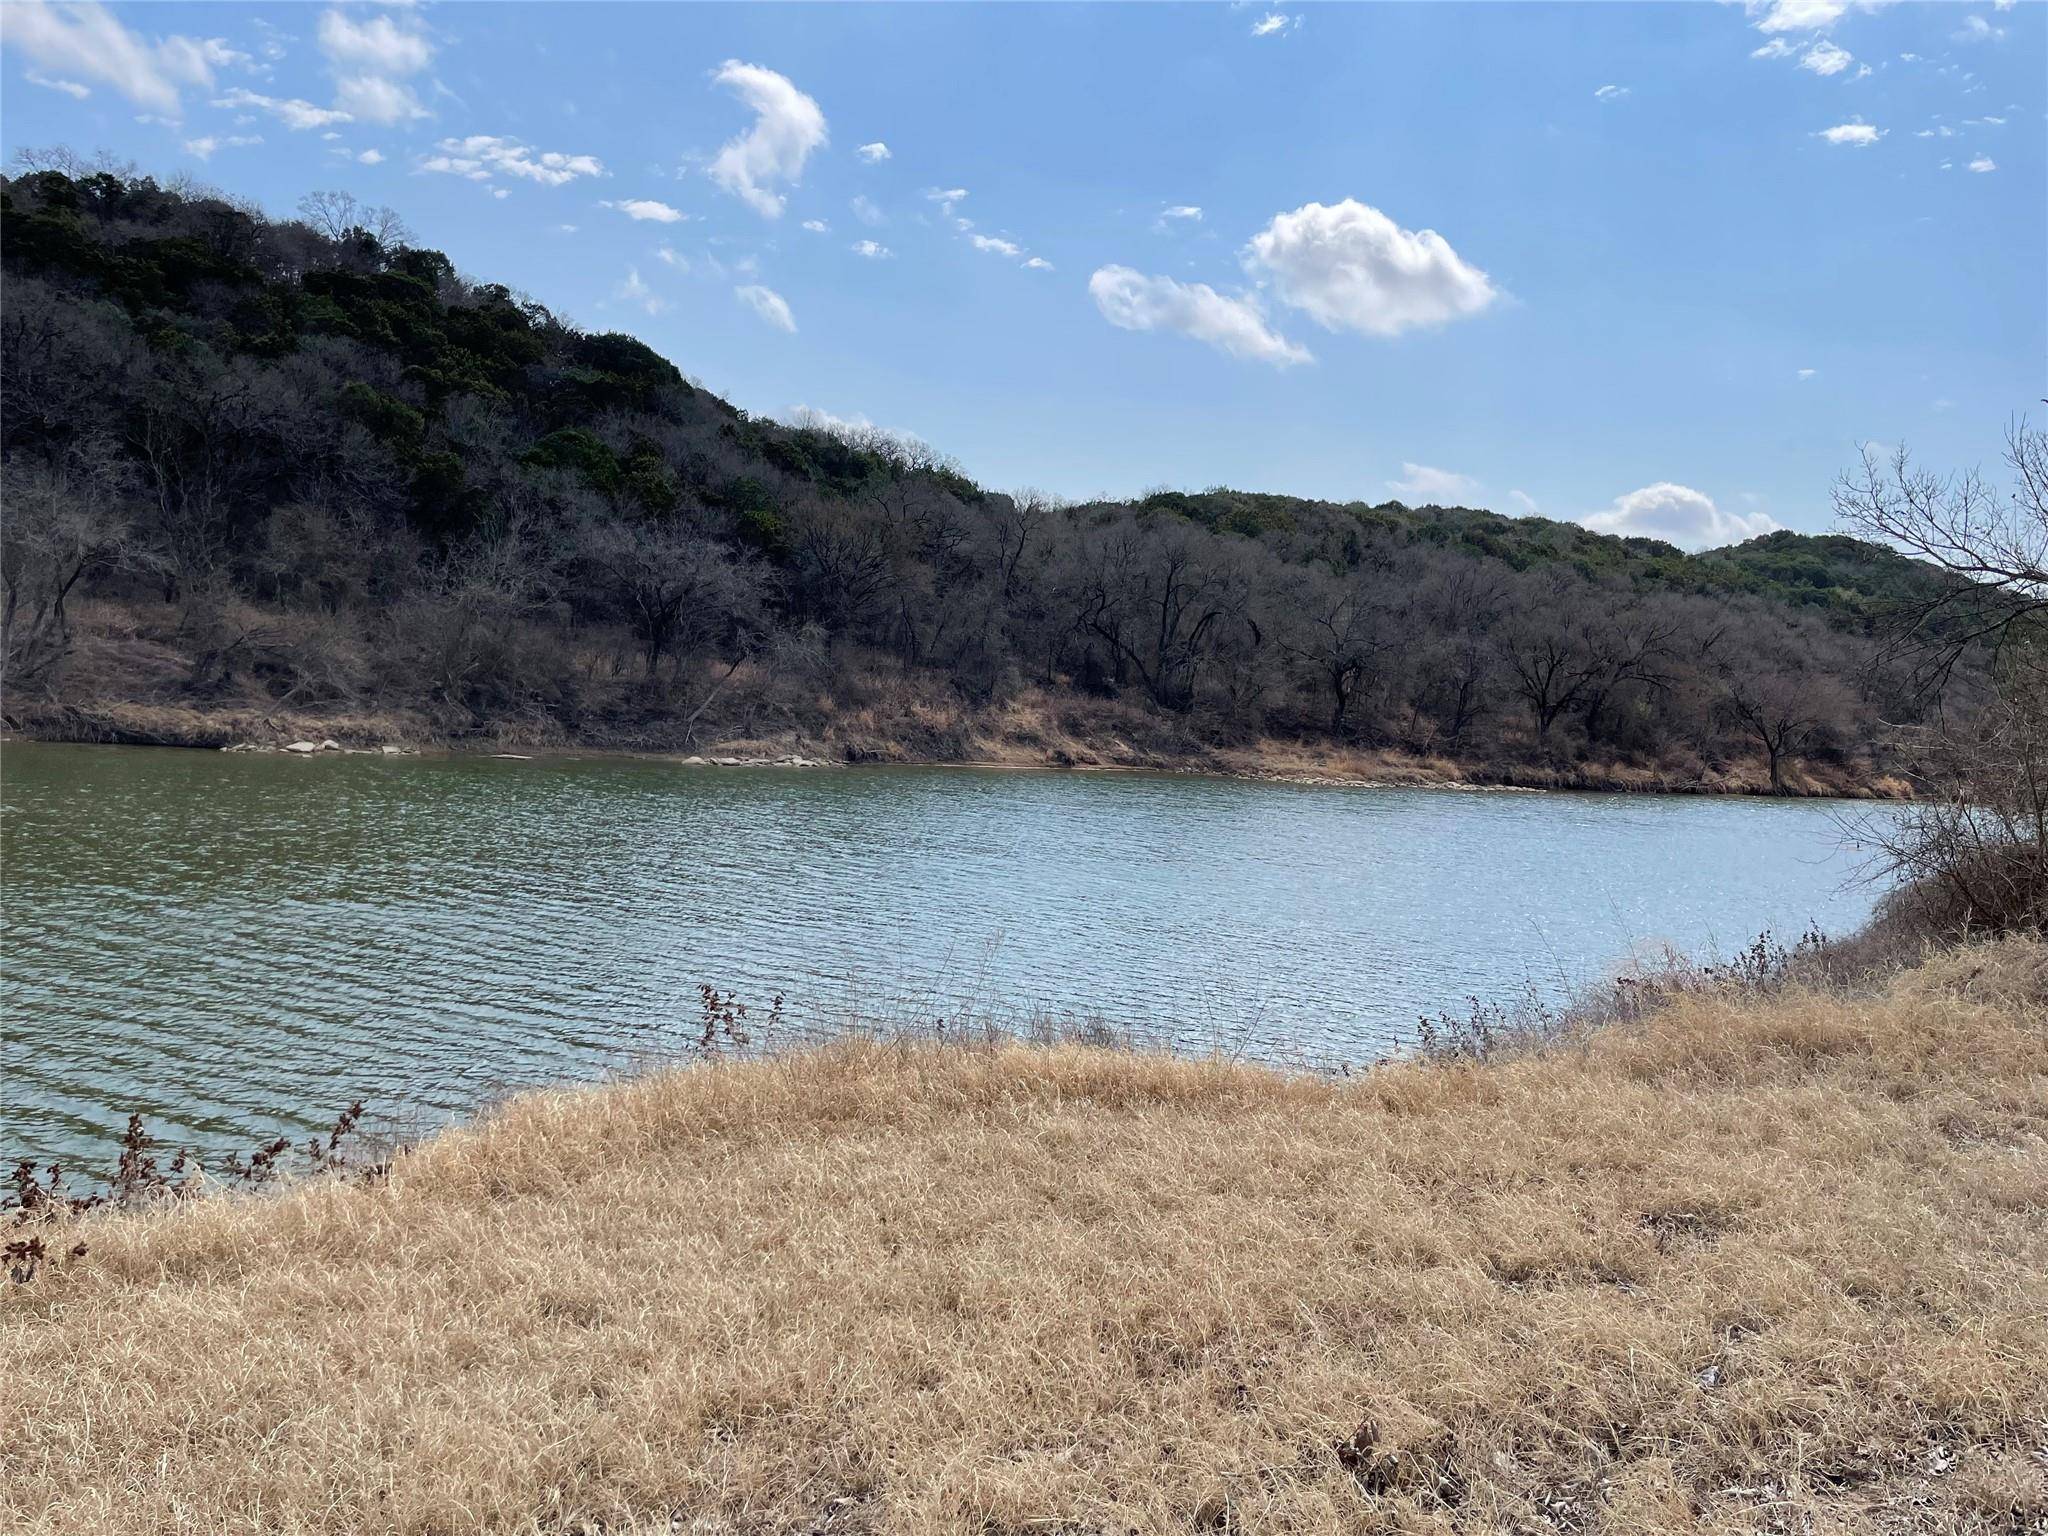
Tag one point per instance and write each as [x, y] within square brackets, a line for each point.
[1684, 260]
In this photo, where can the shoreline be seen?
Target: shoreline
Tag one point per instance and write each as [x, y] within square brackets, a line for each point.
[1297, 763]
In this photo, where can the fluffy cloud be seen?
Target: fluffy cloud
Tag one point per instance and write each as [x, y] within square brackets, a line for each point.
[1135, 302]
[370, 157]
[817, 226]
[294, 114]
[1679, 515]
[768, 304]
[1350, 267]
[633, 291]
[1611, 92]
[1982, 164]
[1037, 264]
[1421, 483]
[995, 246]
[874, 152]
[370, 60]
[873, 250]
[1185, 212]
[482, 156]
[86, 42]
[1855, 133]
[1824, 58]
[787, 126]
[1274, 22]
[646, 210]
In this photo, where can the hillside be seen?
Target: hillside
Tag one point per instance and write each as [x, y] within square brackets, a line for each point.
[275, 478]
[1755, 1262]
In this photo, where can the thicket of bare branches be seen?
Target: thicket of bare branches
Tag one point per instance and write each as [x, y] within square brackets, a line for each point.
[1974, 848]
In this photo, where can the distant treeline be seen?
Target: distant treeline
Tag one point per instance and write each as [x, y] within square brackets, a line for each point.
[307, 462]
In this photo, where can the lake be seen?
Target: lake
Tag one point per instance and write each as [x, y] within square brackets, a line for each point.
[238, 945]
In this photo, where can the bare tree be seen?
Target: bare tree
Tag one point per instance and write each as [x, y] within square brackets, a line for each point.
[1993, 547]
[66, 519]
[1973, 848]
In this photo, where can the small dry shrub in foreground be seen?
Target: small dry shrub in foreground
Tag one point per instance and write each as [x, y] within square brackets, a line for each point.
[1749, 1263]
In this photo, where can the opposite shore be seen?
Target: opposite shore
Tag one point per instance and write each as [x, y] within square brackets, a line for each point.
[1035, 732]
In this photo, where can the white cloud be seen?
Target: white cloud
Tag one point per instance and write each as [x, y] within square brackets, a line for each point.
[1798, 15]
[1679, 515]
[768, 304]
[370, 157]
[1186, 212]
[1975, 29]
[1805, 373]
[788, 125]
[817, 226]
[68, 87]
[84, 42]
[1776, 48]
[1982, 164]
[205, 147]
[1038, 264]
[633, 291]
[1274, 21]
[483, 155]
[370, 59]
[1855, 132]
[645, 210]
[873, 250]
[945, 197]
[995, 246]
[672, 257]
[867, 212]
[378, 100]
[377, 45]
[1611, 92]
[294, 114]
[1350, 267]
[874, 152]
[1524, 501]
[1421, 482]
[1824, 58]
[1135, 302]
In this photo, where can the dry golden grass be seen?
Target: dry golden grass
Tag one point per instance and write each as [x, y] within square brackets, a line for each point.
[1751, 1266]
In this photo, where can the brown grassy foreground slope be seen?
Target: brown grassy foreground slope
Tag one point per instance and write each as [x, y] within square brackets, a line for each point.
[1763, 1265]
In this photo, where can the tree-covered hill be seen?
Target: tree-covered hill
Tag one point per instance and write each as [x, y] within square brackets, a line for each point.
[305, 465]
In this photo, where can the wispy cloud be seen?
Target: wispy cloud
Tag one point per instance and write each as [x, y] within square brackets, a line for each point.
[873, 153]
[788, 125]
[85, 42]
[646, 210]
[1133, 301]
[768, 304]
[632, 290]
[1273, 23]
[1611, 92]
[873, 250]
[1442, 486]
[295, 114]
